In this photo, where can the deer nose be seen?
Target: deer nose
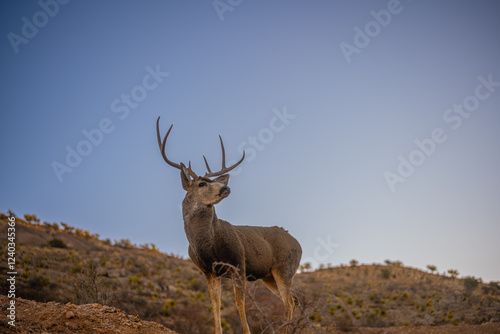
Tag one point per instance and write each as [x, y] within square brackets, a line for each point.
[224, 190]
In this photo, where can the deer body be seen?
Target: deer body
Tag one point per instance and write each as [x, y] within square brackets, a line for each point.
[221, 249]
[252, 248]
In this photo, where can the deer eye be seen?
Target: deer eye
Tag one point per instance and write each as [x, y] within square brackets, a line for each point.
[202, 184]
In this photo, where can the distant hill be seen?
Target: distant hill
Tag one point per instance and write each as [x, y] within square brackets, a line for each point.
[56, 262]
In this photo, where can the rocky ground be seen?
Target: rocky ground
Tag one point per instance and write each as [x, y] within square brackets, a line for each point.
[52, 317]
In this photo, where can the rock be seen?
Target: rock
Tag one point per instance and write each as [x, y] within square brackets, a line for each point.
[70, 315]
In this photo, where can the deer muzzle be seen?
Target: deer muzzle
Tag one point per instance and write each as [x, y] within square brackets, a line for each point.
[224, 191]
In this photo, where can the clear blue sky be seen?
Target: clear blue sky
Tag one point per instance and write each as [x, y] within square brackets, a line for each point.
[328, 98]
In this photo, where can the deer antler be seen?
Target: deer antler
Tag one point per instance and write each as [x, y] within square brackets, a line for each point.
[162, 150]
[224, 169]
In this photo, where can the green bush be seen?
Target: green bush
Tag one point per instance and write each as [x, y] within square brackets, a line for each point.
[470, 283]
[386, 273]
[133, 279]
[57, 243]
[315, 317]
[169, 305]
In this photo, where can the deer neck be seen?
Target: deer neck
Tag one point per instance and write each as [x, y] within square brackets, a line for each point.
[200, 224]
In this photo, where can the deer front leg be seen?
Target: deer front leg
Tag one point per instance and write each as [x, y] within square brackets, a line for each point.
[239, 295]
[214, 288]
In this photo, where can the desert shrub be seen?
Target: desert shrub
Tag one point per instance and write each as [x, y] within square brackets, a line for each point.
[432, 268]
[386, 273]
[305, 267]
[88, 287]
[57, 243]
[315, 317]
[32, 219]
[470, 283]
[492, 287]
[124, 243]
[133, 279]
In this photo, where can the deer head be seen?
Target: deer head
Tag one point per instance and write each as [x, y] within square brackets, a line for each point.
[201, 190]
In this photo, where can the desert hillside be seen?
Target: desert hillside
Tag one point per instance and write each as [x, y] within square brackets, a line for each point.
[138, 285]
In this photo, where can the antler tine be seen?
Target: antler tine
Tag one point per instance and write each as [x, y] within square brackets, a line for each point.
[223, 153]
[224, 169]
[193, 174]
[164, 155]
[162, 144]
[206, 163]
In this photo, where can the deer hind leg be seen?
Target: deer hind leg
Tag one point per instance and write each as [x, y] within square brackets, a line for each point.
[214, 288]
[284, 285]
[239, 295]
[270, 283]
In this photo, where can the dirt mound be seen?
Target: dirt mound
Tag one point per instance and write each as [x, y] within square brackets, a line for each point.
[52, 317]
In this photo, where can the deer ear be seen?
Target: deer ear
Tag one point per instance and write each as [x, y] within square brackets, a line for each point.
[185, 178]
[224, 179]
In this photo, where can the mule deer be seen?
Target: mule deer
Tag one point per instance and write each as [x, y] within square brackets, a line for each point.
[220, 249]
